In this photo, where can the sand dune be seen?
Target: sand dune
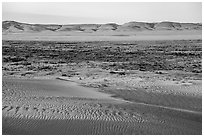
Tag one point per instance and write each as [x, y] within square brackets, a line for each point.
[32, 106]
[130, 31]
[13, 26]
[136, 26]
[34, 109]
[108, 27]
[85, 127]
[55, 88]
[168, 25]
[32, 100]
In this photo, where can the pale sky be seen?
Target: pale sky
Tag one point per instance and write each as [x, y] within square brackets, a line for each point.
[106, 12]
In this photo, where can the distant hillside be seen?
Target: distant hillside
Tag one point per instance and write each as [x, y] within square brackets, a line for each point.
[16, 27]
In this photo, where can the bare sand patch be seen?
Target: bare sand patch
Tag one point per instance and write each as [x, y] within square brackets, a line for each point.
[56, 88]
[23, 126]
[36, 111]
[105, 36]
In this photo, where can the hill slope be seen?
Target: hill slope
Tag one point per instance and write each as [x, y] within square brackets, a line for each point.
[17, 27]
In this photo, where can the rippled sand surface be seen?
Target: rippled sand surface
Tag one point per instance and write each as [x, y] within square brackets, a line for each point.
[54, 88]
[60, 107]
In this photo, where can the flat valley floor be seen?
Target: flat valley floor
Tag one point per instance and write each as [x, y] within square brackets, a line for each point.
[102, 88]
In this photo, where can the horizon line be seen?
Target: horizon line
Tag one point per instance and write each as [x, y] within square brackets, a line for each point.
[97, 23]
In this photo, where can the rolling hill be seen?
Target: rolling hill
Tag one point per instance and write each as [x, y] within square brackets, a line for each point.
[17, 27]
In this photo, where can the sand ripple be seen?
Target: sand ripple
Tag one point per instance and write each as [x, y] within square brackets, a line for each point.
[30, 111]
[21, 103]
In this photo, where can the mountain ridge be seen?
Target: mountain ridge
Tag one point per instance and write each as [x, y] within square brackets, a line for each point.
[14, 26]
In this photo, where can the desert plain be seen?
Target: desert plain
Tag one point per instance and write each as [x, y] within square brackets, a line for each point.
[138, 78]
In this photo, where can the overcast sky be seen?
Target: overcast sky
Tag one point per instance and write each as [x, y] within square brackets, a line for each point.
[64, 13]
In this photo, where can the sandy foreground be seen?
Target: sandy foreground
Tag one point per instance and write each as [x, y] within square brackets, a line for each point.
[42, 94]
[58, 106]
[106, 36]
